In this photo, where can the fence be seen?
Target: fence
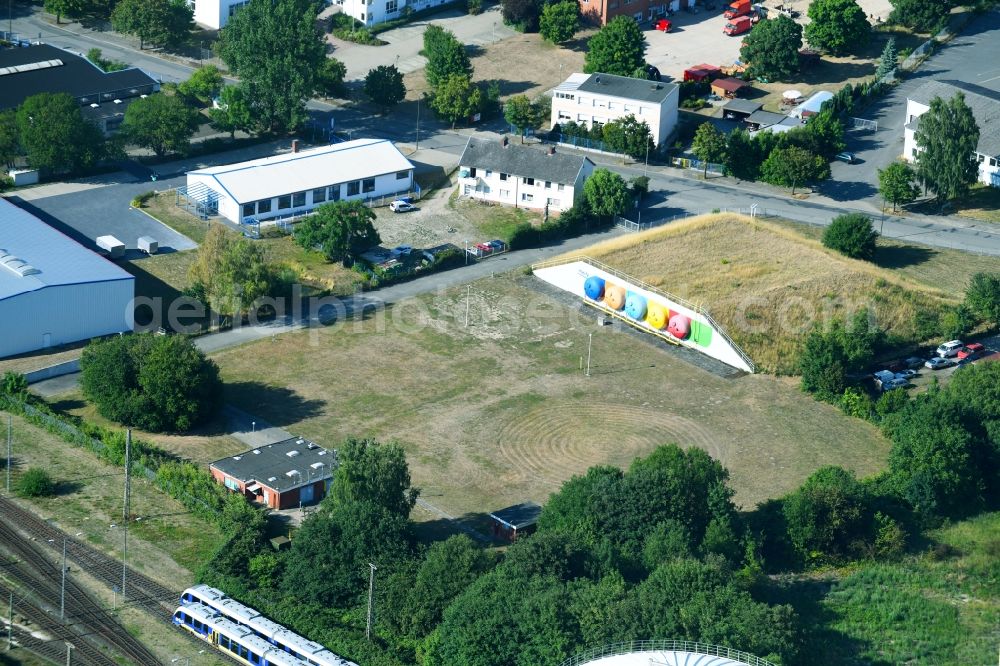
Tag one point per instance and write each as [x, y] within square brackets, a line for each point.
[867, 125]
[692, 163]
[581, 142]
[665, 646]
[629, 225]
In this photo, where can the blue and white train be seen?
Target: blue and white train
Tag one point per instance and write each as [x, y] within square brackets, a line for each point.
[246, 634]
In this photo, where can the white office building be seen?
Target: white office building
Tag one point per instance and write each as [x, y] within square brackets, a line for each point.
[54, 291]
[373, 12]
[985, 105]
[294, 183]
[215, 14]
[521, 176]
[600, 98]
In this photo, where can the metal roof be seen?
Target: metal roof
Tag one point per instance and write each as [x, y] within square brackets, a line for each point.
[742, 106]
[523, 161]
[627, 88]
[41, 68]
[308, 169]
[814, 103]
[34, 256]
[765, 118]
[985, 105]
[518, 516]
[281, 466]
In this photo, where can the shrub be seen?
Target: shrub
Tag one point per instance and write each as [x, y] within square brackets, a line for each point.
[14, 384]
[828, 516]
[140, 200]
[474, 6]
[36, 482]
[852, 235]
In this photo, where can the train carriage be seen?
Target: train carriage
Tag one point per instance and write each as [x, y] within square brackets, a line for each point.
[237, 640]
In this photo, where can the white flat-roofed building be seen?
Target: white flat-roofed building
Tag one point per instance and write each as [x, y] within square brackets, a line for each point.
[586, 99]
[295, 183]
[215, 14]
[54, 291]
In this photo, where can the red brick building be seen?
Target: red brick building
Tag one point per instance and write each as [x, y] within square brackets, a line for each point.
[282, 475]
[602, 11]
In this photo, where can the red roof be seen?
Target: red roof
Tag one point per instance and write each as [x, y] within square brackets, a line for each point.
[706, 68]
[729, 84]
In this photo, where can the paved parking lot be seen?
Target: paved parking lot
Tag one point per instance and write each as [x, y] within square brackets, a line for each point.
[694, 39]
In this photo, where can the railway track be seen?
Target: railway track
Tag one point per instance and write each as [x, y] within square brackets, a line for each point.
[35, 572]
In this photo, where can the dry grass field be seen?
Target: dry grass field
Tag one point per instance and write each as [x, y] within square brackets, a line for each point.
[766, 284]
[500, 411]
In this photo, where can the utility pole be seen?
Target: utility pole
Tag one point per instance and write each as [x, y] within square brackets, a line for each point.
[645, 167]
[590, 343]
[125, 511]
[62, 591]
[371, 602]
[417, 147]
[468, 297]
[10, 625]
[9, 440]
[69, 654]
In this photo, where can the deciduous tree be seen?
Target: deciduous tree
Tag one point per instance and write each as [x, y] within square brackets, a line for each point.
[772, 49]
[793, 167]
[384, 86]
[340, 230]
[618, 48]
[233, 271]
[922, 15]
[607, 193]
[163, 123]
[559, 21]
[709, 145]
[54, 134]
[154, 382]
[68, 8]
[376, 473]
[852, 235]
[629, 136]
[837, 26]
[519, 112]
[159, 22]
[233, 113]
[895, 184]
[446, 57]
[276, 50]
[331, 78]
[456, 98]
[828, 517]
[947, 136]
[522, 14]
[10, 147]
[982, 295]
[203, 85]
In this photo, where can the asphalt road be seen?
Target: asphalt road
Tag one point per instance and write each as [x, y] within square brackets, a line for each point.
[972, 57]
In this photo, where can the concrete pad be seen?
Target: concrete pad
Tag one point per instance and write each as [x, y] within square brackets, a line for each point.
[694, 39]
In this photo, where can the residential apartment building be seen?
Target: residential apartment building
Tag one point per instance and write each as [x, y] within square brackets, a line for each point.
[521, 176]
[373, 12]
[600, 98]
[602, 11]
[215, 14]
[985, 105]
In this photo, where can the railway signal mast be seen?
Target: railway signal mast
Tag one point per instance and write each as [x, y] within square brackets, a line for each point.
[371, 602]
[7, 467]
[125, 509]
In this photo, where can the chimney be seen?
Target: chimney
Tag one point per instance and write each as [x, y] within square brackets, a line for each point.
[295, 145]
[503, 141]
[552, 150]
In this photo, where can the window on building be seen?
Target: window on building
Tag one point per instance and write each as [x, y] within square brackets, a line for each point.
[552, 202]
[402, 175]
[548, 184]
[505, 194]
[319, 195]
[362, 17]
[561, 187]
[368, 185]
[334, 192]
[638, 17]
[528, 181]
[564, 116]
[503, 176]
[993, 161]
[285, 201]
[392, 6]
[230, 483]
[353, 188]
[468, 190]
[249, 209]
[298, 199]
[263, 206]
[527, 197]
[611, 106]
[488, 174]
[472, 172]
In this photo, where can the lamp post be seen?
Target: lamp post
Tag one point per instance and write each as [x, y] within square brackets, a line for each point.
[590, 343]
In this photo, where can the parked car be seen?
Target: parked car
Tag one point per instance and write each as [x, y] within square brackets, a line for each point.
[971, 351]
[897, 365]
[484, 248]
[949, 349]
[895, 383]
[914, 362]
[845, 156]
[400, 206]
[909, 373]
[402, 250]
[498, 245]
[938, 362]
[663, 25]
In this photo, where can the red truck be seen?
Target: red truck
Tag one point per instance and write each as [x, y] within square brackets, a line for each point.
[738, 26]
[738, 8]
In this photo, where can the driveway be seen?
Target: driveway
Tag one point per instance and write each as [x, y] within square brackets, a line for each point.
[405, 43]
[694, 39]
[972, 57]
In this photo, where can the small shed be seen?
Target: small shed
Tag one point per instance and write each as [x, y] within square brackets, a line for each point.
[761, 119]
[702, 72]
[727, 87]
[740, 109]
[811, 106]
[514, 521]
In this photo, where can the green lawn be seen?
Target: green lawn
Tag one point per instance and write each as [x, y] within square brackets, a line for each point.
[493, 221]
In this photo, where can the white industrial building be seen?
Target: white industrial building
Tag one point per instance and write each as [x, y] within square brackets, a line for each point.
[54, 291]
[292, 184]
[985, 105]
[600, 98]
[373, 12]
[521, 176]
[215, 14]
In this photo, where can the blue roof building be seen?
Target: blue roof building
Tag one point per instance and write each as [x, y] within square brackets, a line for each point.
[54, 291]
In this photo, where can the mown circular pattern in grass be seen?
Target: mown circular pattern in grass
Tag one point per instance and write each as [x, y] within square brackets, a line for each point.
[552, 442]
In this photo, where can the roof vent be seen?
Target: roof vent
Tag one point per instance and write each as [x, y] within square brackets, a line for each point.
[17, 266]
[292, 473]
[300, 441]
[94, 105]
[317, 465]
[237, 457]
[311, 446]
[272, 479]
[256, 452]
[118, 101]
[292, 454]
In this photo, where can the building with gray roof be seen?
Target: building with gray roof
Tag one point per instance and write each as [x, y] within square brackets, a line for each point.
[54, 291]
[985, 106]
[282, 475]
[586, 99]
[522, 176]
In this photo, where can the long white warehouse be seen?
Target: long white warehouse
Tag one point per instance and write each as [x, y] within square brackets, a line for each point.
[295, 183]
[54, 291]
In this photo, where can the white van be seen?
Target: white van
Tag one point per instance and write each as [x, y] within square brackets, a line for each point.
[949, 349]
